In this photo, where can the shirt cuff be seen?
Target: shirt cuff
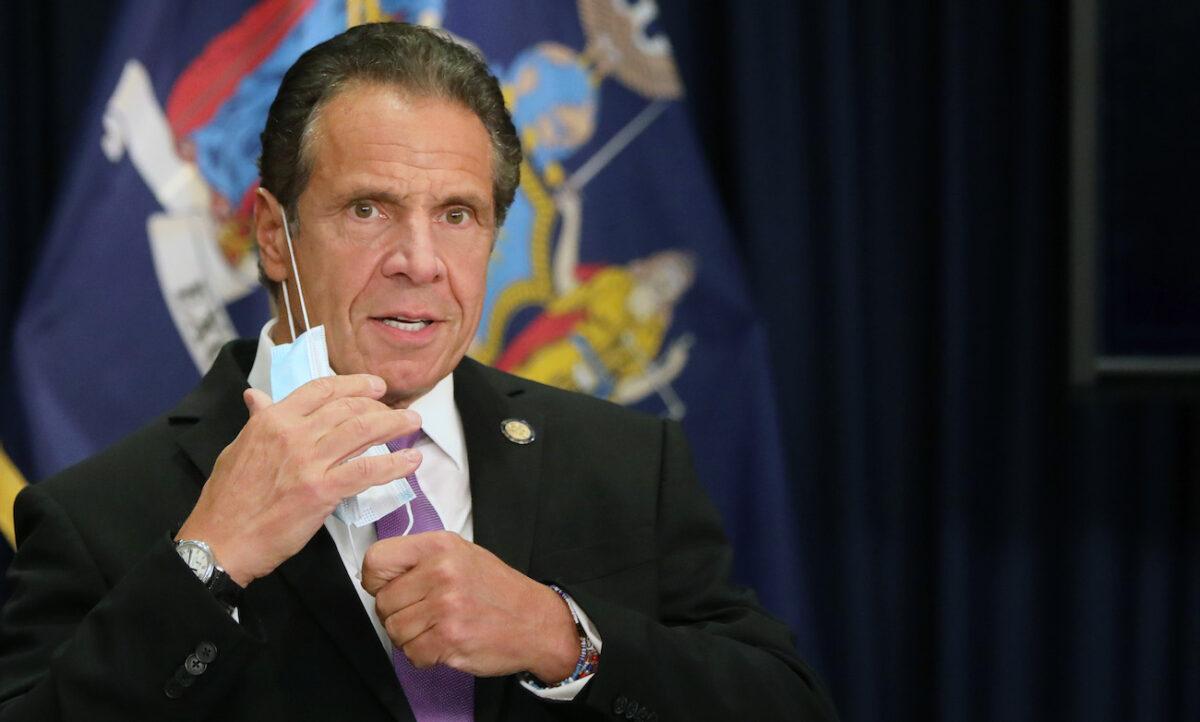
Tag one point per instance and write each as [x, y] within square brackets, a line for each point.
[568, 692]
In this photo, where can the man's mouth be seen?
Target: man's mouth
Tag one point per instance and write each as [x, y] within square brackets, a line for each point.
[406, 324]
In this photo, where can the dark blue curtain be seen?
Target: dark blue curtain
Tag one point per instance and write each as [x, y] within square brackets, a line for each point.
[48, 52]
[987, 542]
[983, 541]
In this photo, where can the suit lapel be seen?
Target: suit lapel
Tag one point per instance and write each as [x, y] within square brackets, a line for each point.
[504, 485]
[504, 475]
[318, 578]
[216, 414]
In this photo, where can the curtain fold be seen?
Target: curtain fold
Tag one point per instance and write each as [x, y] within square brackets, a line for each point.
[986, 543]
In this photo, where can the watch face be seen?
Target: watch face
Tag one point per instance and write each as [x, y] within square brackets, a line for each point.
[197, 558]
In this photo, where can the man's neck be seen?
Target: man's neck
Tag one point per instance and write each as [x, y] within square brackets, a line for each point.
[280, 333]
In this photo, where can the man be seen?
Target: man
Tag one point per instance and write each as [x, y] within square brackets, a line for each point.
[558, 560]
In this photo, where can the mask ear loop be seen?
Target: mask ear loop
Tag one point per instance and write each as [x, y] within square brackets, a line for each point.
[408, 507]
[287, 305]
[295, 274]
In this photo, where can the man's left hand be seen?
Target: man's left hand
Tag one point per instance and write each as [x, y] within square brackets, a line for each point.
[445, 600]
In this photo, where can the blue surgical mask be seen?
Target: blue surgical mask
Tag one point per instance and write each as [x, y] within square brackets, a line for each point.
[306, 358]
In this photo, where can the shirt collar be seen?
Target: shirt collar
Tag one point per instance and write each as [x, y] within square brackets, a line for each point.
[439, 416]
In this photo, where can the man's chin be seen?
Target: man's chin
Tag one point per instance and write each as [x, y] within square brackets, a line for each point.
[402, 399]
[405, 390]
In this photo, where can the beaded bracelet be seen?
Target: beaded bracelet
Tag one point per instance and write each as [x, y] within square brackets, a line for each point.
[589, 656]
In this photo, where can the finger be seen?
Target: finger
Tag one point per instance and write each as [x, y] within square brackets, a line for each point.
[387, 559]
[255, 400]
[430, 642]
[409, 624]
[336, 411]
[357, 475]
[404, 590]
[358, 433]
[318, 392]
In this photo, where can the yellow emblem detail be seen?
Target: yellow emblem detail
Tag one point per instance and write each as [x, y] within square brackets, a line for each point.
[517, 431]
[359, 12]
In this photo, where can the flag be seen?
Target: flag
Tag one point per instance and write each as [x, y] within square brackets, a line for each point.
[11, 482]
[614, 275]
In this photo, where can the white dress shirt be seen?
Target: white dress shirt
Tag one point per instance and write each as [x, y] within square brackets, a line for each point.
[445, 479]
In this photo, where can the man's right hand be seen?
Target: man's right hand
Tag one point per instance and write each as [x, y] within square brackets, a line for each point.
[273, 487]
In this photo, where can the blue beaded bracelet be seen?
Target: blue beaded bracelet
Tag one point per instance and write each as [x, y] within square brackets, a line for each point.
[589, 656]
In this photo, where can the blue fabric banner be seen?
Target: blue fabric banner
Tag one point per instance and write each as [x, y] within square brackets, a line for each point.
[614, 275]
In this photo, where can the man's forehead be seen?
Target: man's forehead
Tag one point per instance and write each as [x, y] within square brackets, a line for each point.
[370, 134]
[365, 105]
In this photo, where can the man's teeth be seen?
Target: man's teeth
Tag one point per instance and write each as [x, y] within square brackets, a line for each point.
[405, 325]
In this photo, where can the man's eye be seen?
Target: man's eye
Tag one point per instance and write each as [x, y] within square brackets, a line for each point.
[364, 210]
[457, 216]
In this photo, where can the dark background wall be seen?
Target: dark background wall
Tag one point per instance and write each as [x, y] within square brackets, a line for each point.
[988, 542]
[984, 541]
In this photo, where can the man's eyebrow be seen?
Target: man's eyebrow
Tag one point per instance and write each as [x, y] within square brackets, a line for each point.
[470, 200]
[374, 194]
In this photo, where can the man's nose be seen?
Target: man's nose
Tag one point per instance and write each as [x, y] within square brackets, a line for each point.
[413, 253]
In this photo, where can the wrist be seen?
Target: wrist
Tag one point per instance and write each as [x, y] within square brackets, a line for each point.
[202, 562]
[574, 658]
[557, 656]
[221, 548]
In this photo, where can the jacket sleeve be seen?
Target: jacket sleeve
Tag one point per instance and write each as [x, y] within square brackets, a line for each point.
[710, 651]
[75, 645]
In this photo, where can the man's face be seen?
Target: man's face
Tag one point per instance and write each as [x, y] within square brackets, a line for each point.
[395, 229]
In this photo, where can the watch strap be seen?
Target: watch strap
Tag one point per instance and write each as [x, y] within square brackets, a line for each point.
[219, 583]
[227, 592]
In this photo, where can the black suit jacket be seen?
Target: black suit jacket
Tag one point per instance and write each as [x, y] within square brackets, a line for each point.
[103, 614]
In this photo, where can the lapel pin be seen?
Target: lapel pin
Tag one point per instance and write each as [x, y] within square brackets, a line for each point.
[518, 431]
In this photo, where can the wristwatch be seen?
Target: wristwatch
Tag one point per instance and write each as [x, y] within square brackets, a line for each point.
[200, 559]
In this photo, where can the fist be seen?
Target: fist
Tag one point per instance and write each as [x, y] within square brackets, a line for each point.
[444, 600]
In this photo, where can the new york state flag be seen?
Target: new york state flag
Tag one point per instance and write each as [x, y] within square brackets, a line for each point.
[614, 274]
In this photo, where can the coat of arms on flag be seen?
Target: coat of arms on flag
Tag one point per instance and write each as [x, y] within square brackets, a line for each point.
[600, 328]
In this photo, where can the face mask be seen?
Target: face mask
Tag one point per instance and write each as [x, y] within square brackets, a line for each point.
[304, 359]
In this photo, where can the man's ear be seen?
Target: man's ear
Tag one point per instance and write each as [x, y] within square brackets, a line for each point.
[268, 229]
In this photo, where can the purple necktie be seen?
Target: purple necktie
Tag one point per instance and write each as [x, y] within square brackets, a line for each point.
[438, 693]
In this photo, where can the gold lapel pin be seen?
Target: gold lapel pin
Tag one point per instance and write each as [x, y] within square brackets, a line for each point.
[518, 431]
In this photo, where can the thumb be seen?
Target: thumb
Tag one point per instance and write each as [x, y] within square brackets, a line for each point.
[387, 559]
[255, 400]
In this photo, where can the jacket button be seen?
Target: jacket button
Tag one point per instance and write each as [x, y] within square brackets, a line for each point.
[184, 679]
[619, 705]
[206, 652]
[173, 689]
[193, 665]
